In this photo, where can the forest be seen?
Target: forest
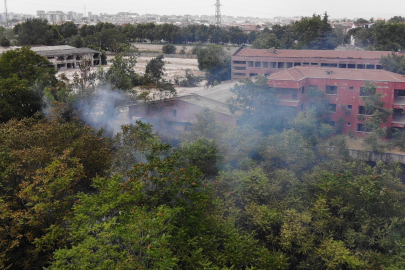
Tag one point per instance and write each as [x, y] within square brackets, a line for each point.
[265, 194]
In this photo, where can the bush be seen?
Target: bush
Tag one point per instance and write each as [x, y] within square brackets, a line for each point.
[183, 50]
[4, 42]
[169, 49]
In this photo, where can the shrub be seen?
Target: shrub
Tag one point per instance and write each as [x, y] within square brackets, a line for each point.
[169, 49]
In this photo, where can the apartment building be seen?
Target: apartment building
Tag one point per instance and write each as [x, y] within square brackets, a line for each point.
[344, 88]
[251, 62]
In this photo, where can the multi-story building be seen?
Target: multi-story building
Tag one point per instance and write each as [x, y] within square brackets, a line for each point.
[344, 88]
[64, 56]
[252, 62]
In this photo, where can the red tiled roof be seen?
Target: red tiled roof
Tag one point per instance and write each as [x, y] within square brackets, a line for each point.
[312, 53]
[299, 73]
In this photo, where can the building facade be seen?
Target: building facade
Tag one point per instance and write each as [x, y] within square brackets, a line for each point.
[252, 62]
[64, 56]
[343, 87]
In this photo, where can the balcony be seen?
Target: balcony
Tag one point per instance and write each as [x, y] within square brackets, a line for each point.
[399, 102]
[398, 120]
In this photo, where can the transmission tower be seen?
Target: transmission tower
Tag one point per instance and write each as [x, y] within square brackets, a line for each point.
[218, 13]
[5, 9]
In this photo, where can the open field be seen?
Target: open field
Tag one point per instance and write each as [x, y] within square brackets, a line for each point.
[158, 47]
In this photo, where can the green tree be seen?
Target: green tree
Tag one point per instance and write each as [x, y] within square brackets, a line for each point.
[68, 29]
[155, 67]
[18, 100]
[389, 36]
[259, 104]
[394, 63]
[169, 49]
[37, 32]
[267, 41]
[374, 116]
[121, 75]
[26, 65]
[4, 42]
[216, 63]
[396, 19]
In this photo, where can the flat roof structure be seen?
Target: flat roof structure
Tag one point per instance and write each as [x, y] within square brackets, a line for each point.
[54, 50]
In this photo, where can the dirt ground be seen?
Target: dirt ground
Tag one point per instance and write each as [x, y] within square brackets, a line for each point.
[158, 47]
[173, 67]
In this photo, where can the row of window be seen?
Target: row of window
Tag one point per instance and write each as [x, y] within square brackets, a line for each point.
[283, 65]
[360, 127]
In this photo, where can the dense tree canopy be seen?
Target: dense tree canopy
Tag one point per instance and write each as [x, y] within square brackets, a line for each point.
[216, 63]
[37, 32]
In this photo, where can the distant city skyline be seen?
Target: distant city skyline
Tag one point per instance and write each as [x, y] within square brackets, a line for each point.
[254, 8]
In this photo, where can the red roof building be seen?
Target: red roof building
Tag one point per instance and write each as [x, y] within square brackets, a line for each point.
[343, 88]
[252, 62]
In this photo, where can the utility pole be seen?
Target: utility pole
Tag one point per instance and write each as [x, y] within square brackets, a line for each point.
[5, 9]
[218, 13]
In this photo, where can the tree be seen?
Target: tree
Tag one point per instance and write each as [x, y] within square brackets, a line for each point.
[389, 36]
[374, 116]
[55, 161]
[18, 100]
[267, 41]
[236, 35]
[37, 32]
[121, 75]
[25, 64]
[4, 42]
[169, 49]
[360, 21]
[397, 19]
[259, 104]
[76, 41]
[216, 63]
[155, 67]
[68, 29]
[394, 63]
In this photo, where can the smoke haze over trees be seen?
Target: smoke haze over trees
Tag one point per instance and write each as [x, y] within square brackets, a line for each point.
[261, 195]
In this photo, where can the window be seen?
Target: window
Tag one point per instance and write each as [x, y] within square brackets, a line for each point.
[273, 64]
[349, 124]
[61, 58]
[342, 66]
[174, 113]
[305, 64]
[361, 128]
[351, 88]
[289, 64]
[328, 65]
[364, 93]
[239, 74]
[286, 91]
[361, 66]
[370, 67]
[51, 57]
[253, 74]
[302, 107]
[280, 64]
[239, 68]
[265, 64]
[378, 67]
[332, 107]
[250, 63]
[314, 64]
[362, 110]
[258, 64]
[297, 64]
[303, 90]
[331, 90]
[351, 66]
[239, 62]
[349, 106]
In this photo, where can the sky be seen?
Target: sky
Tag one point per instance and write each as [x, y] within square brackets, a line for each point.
[255, 8]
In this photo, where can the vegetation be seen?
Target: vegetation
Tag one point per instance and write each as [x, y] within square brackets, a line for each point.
[169, 49]
[261, 195]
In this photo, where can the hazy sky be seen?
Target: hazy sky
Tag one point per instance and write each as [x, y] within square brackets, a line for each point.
[256, 8]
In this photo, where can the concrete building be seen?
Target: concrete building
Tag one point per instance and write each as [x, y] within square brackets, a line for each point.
[343, 87]
[64, 56]
[252, 62]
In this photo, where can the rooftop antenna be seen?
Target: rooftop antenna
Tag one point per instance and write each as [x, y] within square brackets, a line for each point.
[218, 13]
[5, 8]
